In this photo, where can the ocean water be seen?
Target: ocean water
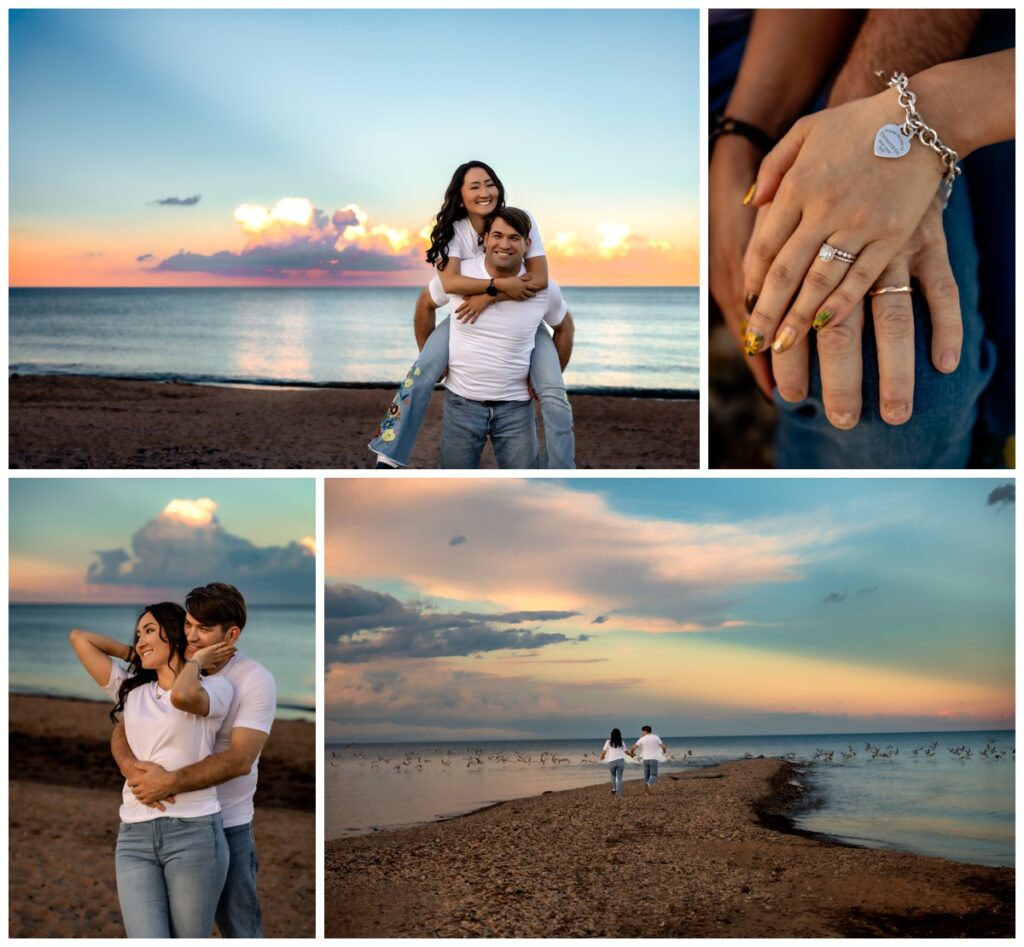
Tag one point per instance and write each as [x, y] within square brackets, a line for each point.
[41, 661]
[645, 338]
[945, 805]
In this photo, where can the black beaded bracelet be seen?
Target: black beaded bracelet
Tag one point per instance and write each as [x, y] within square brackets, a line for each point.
[724, 125]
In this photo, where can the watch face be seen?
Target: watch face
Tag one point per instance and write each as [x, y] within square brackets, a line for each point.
[492, 290]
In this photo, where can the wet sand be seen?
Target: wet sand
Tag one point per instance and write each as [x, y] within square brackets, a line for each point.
[101, 423]
[64, 794]
[706, 856]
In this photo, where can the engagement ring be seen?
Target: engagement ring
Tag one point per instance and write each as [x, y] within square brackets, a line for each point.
[828, 253]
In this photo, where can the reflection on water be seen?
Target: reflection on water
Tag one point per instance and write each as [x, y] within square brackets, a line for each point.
[945, 805]
[625, 338]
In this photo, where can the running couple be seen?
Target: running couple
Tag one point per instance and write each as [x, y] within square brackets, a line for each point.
[651, 748]
[493, 273]
[195, 713]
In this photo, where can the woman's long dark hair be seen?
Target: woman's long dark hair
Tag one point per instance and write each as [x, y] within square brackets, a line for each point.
[615, 739]
[171, 618]
[452, 209]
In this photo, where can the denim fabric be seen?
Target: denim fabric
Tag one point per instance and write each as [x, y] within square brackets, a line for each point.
[650, 772]
[511, 426]
[169, 875]
[238, 911]
[549, 386]
[939, 432]
[397, 432]
[617, 768]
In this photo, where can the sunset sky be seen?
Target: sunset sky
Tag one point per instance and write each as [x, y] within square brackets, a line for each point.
[463, 609]
[249, 147]
[114, 541]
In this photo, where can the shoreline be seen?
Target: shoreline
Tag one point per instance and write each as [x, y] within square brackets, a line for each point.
[696, 859]
[64, 794]
[91, 422]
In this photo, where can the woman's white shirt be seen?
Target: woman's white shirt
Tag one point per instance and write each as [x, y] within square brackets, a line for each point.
[612, 753]
[157, 731]
[466, 243]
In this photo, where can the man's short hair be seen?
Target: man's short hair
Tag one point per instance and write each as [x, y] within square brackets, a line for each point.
[217, 604]
[645, 728]
[517, 219]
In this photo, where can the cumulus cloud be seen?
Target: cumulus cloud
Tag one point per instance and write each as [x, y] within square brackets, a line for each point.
[295, 239]
[186, 545]
[362, 625]
[1004, 495]
[179, 201]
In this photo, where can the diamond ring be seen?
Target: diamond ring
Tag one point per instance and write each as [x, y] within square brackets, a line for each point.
[828, 253]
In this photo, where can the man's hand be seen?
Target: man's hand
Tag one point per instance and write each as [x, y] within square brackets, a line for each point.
[472, 306]
[515, 287]
[839, 349]
[152, 785]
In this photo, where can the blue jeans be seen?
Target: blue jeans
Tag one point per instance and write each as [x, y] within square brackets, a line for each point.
[169, 875]
[238, 912]
[511, 426]
[397, 432]
[616, 768]
[650, 772]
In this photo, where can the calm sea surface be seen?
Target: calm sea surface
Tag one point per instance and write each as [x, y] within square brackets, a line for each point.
[281, 638]
[644, 338]
[950, 806]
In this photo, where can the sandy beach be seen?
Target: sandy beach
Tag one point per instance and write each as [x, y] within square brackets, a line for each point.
[101, 423]
[706, 856]
[64, 796]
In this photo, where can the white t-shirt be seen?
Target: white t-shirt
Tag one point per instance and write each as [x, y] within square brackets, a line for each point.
[650, 745]
[489, 359]
[612, 753]
[252, 707]
[159, 732]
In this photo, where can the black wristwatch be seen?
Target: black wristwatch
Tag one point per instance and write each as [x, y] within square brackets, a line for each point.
[491, 290]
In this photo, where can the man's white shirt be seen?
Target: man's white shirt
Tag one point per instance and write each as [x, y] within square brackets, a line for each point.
[489, 360]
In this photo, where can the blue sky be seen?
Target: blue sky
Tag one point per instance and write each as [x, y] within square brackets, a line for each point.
[816, 605]
[588, 116]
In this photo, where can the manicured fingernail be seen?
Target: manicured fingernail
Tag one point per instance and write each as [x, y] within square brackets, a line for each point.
[749, 196]
[897, 411]
[822, 319]
[784, 339]
[842, 419]
[949, 361]
[752, 342]
[750, 302]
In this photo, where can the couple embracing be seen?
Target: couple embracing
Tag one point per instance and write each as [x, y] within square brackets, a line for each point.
[191, 714]
[492, 269]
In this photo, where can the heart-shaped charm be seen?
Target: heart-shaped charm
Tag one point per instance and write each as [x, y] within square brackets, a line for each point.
[890, 142]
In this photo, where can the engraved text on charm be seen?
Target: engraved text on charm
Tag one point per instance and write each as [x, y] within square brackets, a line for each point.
[890, 142]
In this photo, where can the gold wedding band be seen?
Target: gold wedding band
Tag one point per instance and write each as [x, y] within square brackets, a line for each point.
[882, 290]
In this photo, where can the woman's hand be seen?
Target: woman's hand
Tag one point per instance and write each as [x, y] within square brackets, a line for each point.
[826, 185]
[731, 173]
[517, 288]
[214, 654]
[472, 306]
[839, 347]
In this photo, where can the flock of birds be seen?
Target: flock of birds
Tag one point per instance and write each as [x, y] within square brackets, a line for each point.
[471, 758]
[477, 757]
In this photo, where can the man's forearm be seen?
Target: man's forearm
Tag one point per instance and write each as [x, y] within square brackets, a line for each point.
[211, 771]
[563, 337]
[424, 319]
[901, 41]
[121, 751]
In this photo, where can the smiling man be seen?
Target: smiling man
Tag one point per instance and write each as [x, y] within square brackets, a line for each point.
[216, 613]
[489, 359]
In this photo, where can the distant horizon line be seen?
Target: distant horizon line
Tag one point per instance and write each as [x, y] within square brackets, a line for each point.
[415, 286]
[715, 736]
[249, 602]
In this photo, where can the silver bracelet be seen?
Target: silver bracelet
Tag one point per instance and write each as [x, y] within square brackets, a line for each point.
[893, 141]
